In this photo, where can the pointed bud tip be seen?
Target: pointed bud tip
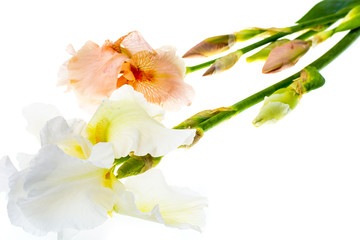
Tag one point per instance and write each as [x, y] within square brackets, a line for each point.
[191, 54]
[210, 71]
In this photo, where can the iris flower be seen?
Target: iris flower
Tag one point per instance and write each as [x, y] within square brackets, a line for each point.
[61, 193]
[94, 72]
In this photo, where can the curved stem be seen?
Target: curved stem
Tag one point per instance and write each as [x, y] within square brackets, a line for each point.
[324, 60]
[309, 24]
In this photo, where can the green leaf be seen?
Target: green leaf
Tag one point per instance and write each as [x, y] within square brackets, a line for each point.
[328, 7]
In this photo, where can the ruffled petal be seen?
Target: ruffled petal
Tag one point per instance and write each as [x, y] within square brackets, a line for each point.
[59, 192]
[133, 43]
[93, 71]
[162, 78]
[63, 73]
[157, 201]
[7, 169]
[127, 124]
[102, 155]
[37, 114]
[58, 132]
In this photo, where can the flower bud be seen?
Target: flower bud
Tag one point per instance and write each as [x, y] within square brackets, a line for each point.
[134, 165]
[285, 56]
[351, 20]
[223, 63]
[310, 79]
[212, 46]
[195, 120]
[282, 101]
[264, 53]
[277, 106]
[247, 34]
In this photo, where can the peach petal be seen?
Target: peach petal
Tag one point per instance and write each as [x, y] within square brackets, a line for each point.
[94, 70]
[134, 43]
[161, 79]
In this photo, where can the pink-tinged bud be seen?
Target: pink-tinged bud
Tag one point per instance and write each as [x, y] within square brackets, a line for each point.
[285, 56]
[211, 46]
[223, 63]
[263, 54]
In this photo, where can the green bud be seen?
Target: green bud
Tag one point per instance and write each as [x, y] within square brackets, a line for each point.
[277, 106]
[321, 37]
[223, 63]
[211, 46]
[351, 20]
[134, 165]
[247, 34]
[264, 53]
[285, 56]
[310, 79]
[195, 120]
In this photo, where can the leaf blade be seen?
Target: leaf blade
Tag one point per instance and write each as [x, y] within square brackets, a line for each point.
[328, 7]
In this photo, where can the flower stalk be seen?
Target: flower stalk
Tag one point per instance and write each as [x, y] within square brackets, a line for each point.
[220, 116]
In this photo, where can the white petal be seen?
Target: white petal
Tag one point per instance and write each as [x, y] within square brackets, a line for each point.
[58, 132]
[126, 123]
[58, 192]
[177, 207]
[23, 159]
[126, 206]
[67, 234]
[37, 115]
[15, 213]
[102, 155]
[6, 170]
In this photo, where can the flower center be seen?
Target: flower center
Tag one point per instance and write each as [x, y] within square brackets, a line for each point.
[133, 73]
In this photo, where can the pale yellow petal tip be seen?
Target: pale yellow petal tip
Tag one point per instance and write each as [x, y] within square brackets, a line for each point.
[274, 110]
[258, 122]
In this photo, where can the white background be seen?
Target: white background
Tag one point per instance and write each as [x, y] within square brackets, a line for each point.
[298, 179]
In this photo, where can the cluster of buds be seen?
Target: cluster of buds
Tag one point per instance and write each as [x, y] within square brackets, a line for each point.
[284, 100]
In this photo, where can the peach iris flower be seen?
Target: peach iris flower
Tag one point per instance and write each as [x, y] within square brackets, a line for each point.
[94, 72]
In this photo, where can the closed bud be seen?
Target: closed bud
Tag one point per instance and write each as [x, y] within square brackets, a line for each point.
[212, 46]
[263, 54]
[195, 120]
[277, 106]
[282, 101]
[351, 20]
[247, 34]
[285, 56]
[134, 165]
[310, 79]
[223, 63]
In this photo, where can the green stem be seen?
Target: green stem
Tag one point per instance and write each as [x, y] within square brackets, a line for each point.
[324, 60]
[309, 24]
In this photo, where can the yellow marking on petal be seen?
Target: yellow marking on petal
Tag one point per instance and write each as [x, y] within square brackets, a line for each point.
[99, 132]
[109, 179]
[72, 148]
[110, 213]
